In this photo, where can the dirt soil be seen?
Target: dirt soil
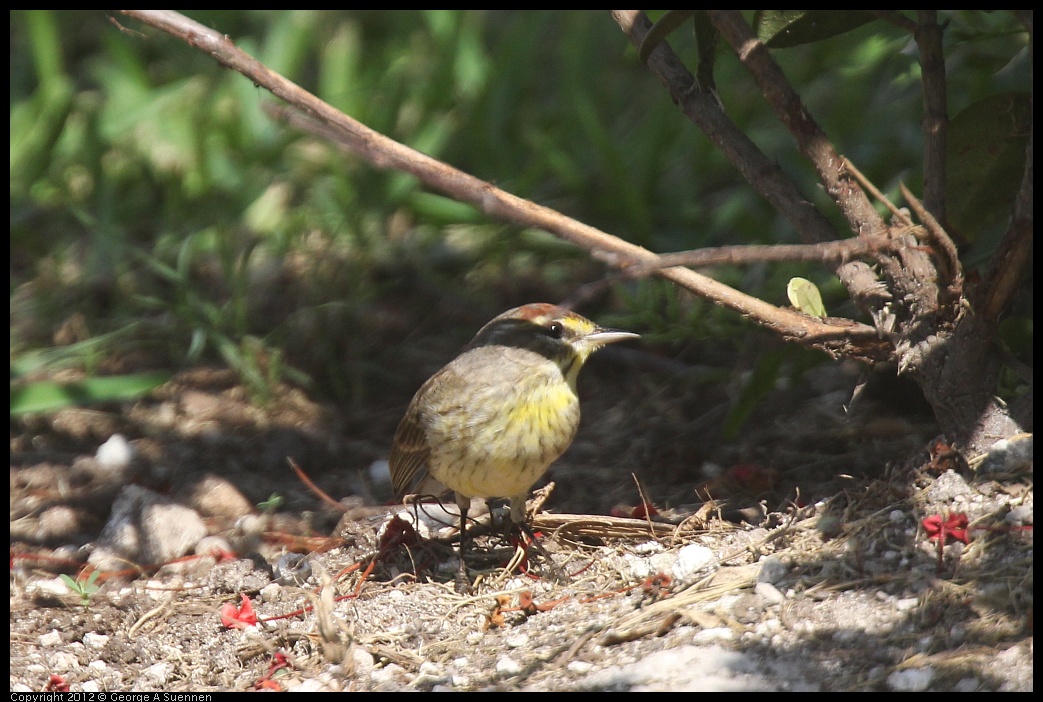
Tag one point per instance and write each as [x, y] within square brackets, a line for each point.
[812, 568]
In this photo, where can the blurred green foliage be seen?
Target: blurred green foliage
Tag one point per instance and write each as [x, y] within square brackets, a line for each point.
[154, 203]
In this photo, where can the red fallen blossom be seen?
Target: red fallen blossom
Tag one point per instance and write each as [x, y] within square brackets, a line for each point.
[644, 511]
[238, 617]
[398, 532]
[955, 527]
[56, 683]
[527, 605]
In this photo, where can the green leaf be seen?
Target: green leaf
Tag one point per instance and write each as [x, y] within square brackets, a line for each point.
[804, 295]
[986, 161]
[45, 39]
[50, 396]
[780, 29]
[273, 503]
[83, 586]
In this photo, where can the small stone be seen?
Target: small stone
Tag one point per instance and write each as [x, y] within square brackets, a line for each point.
[911, 680]
[769, 593]
[214, 496]
[907, 603]
[691, 559]
[51, 638]
[506, 665]
[517, 640]
[714, 635]
[145, 527]
[92, 640]
[772, 570]
[967, 685]
[114, 454]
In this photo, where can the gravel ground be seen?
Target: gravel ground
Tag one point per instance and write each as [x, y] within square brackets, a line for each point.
[841, 588]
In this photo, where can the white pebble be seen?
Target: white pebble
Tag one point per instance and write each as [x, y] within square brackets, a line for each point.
[51, 638]
[907, 603]
[114, 453]
[691, 559]
[911, 680]
[769, 592]
[506, 665]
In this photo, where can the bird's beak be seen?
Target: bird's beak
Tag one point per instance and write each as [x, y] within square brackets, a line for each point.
[600, 337]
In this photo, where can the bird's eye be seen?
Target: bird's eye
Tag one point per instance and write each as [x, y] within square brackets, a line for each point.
[556, 329]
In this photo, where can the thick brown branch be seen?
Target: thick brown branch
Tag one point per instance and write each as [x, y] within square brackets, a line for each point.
[936, 113]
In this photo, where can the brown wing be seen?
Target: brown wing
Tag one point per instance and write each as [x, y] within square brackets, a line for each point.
[409, 454]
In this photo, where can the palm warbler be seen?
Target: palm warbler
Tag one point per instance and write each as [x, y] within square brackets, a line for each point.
[491, 422]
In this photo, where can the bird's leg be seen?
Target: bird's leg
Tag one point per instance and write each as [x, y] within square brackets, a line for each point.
[518, 517]
[463, 582]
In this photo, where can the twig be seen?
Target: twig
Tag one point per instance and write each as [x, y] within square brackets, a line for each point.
[600, 526]
[875, 192]
[825, 252]
[948, 257]
[315, 488]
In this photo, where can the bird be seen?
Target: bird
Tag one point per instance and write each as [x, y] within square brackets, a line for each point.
[491, 422]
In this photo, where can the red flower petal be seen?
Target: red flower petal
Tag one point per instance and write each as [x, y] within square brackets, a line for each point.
[953, 527]
[238, 617]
